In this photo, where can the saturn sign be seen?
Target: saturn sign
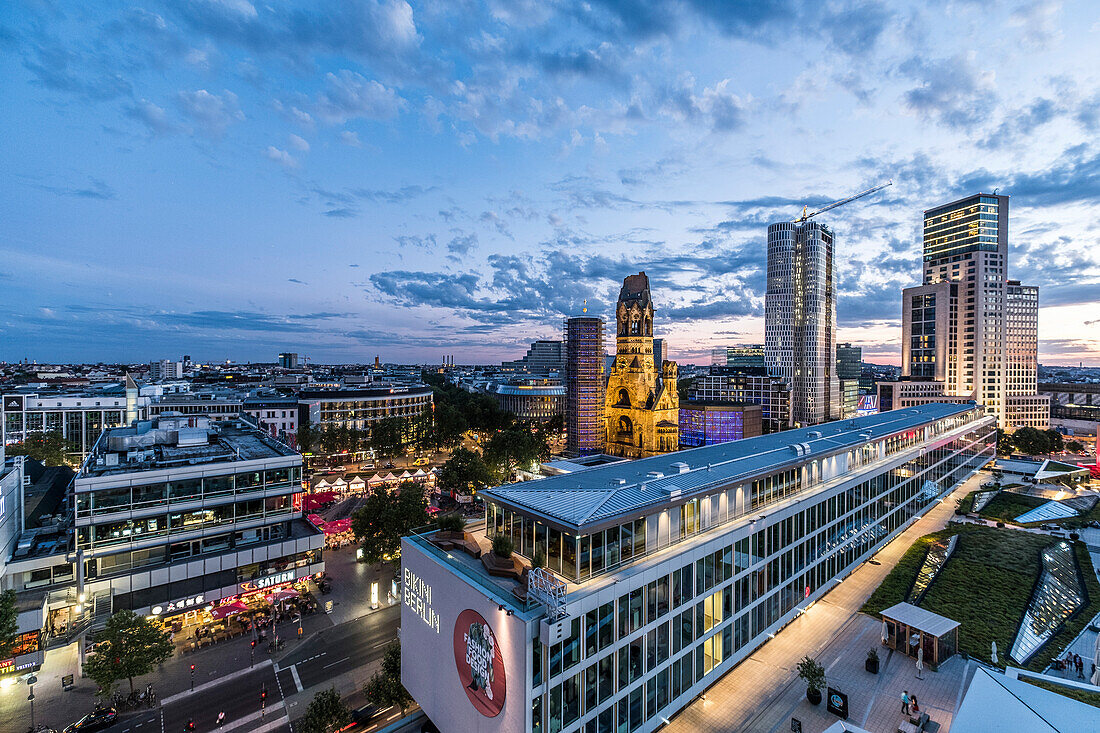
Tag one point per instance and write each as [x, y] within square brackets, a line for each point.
[480, 663]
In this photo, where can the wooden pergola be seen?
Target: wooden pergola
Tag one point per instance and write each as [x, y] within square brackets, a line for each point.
[908, 628]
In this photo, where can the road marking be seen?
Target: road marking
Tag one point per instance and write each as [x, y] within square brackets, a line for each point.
[333, 664]
[251, 717]
[215, 682]
[273, 725]
[297, 680]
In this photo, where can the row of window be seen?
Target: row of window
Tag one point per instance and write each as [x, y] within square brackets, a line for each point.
[779, 591]
[126, 498]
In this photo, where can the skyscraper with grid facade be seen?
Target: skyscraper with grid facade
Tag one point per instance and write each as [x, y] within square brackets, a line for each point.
[800, 319]
[584, 385]
[968, 326]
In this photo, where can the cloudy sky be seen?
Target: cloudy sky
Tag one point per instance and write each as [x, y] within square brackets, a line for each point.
[230, 179]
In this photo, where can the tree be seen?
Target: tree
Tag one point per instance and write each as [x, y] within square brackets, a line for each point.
[1075, 446]
[1031, 441]
[1004, 443]
[516, 447]
[1057, 442]
[9, 623]
[384, 689]
[812, 673]
[306, 437]
[49, 449]
[387, 436]
[387, 516]
[130, 646]
[326, 713]
[450, 425]
[464, 473]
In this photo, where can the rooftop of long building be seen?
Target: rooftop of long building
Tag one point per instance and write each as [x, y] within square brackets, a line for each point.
[602, 493]
[172, 441]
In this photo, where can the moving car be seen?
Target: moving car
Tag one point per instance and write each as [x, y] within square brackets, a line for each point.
[98, 719]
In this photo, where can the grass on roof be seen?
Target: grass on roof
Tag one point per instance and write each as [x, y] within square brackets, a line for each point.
[986, 586]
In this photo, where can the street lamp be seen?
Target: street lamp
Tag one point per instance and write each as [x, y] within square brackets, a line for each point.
[30, 682]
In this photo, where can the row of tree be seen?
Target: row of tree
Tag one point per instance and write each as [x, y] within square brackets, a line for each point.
[327, 712]
[49, 449]
[1035, 442]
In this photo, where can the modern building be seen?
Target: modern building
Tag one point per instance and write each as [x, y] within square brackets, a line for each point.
[217, 403]
[531, 399]
[659, 353]
[288, 360]
[182, 511]
[910, 393]
[708, 423]
[642, 400]
[277, 414]
[1074, 407]
[746, 356]
[744, 384]
[542, 359]
[585, 385]
[664, 573]
[165, 369]
[800, 318]
[849, 368]
[967, 325]
[360, 408]
[79, 416]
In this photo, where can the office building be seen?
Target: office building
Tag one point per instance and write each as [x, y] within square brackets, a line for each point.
[800, 318]
[748, 357]
[737, 385]
[708, 423]
[585, 431]
[181, 511]
[664, 573]
[165, 369]
[542, 359]
[531, 399]
[80, 416]
[967, 325]
[642, 401]
[359, 409]
[659, 354]
[849, 368]
[288, 360]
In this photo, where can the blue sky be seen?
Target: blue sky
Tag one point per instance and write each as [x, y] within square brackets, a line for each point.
[230, 179]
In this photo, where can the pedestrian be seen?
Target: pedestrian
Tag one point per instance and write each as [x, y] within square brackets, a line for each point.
[914, 708]
[221, 719]
[905, 702]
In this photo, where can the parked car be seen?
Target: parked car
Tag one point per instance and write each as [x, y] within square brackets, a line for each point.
[421, 462]
[389, 464]
[366, 466]
[98, 719]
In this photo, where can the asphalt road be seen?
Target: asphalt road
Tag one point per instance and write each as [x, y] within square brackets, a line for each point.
[338, 649]
[325, 655]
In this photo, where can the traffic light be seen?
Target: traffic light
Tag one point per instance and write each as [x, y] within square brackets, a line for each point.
[253, 643]
[192, 668]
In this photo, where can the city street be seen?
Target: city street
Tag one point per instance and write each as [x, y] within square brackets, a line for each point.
[342, 647]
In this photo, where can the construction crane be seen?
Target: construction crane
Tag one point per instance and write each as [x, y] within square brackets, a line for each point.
[807, 216]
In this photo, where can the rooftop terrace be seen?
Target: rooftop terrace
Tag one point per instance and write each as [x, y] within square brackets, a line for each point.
[602, 493]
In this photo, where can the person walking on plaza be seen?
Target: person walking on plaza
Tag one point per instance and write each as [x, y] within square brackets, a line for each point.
[905, 702]
[914, 707]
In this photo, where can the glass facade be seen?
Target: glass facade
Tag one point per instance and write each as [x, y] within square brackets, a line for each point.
[702, 426]
[626, 664]
[966, 226]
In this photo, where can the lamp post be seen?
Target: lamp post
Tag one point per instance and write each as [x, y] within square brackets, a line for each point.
[30, 682]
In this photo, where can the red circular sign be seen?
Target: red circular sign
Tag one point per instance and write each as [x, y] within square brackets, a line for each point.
[480, 663]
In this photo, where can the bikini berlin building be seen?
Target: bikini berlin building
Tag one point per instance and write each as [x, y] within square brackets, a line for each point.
[664, 573]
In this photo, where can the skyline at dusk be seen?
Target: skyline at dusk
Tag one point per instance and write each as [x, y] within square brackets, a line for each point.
[345, 180]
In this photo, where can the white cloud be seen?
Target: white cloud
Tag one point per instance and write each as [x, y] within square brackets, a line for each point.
[281, 157]
[298, 143]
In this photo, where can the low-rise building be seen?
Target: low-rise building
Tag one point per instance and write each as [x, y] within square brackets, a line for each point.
[707, 423]
[663, 573]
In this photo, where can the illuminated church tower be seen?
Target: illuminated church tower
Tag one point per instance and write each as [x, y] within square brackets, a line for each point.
[642, 406]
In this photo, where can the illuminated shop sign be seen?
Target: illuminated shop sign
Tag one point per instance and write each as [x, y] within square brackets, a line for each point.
[480, 663]
[13, 403]
[271, 580]
[180, 605]
[7, 665]
[417, 595]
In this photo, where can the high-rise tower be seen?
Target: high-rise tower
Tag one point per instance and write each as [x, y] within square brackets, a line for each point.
[584, 385]
[968, 326]
[642, 402]
[800, 318]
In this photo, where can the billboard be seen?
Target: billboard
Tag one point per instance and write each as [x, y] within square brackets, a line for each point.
[13, 403]
[480, 664]
[472, 656]
[868, 405]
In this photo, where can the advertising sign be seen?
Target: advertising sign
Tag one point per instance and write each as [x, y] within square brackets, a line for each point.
[480, 663]
[262, 583]
[838, 703]
[13, 403]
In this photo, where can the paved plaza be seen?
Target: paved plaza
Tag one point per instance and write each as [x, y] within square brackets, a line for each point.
[763, 693]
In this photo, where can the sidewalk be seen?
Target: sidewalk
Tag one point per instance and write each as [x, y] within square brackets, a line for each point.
[760, 692]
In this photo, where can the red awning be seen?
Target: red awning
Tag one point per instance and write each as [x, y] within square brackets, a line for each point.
[228, 610]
